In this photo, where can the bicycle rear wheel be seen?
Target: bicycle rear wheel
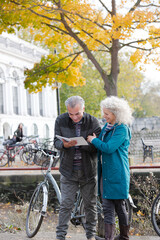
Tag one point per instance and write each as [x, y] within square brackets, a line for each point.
[35, 212]
[3, 158]
[155, 214]
[99, 212]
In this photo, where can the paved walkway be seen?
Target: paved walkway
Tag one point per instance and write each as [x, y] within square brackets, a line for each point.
[51, 236]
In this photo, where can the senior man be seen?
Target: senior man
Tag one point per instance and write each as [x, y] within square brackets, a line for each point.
[78, 164]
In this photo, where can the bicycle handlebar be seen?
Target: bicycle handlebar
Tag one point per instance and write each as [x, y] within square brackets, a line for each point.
[32, 136]
[46, 152]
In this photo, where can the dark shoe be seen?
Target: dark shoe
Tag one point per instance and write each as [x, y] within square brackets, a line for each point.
[109, 231]
[124, 233]
[117, 237]
[99, 238]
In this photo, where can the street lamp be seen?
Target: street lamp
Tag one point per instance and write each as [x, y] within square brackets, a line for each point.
[58, 101]
[58, 85]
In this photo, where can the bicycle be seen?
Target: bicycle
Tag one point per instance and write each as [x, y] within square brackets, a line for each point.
[155, 214]
[27, 155]
[39, 200]
[46, 143]
[8, 154]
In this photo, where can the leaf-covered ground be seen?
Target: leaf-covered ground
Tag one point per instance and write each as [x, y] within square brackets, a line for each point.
[13, 219]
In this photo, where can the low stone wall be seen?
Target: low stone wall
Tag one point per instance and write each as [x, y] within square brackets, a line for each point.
[16, 188]
[150, 123]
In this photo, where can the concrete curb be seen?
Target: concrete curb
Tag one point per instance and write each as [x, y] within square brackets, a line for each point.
[52, 236]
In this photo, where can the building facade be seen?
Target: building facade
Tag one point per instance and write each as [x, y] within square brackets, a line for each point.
[37, 112]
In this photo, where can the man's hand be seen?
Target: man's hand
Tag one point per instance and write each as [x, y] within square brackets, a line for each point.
[69, 144]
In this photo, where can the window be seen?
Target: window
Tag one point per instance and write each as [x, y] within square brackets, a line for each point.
[15, 99]
[6, 130]
[1, 74]
[1, 99]
[15, 76]
[46, 131]
[29, 109]
[40, 104]
[35, 129]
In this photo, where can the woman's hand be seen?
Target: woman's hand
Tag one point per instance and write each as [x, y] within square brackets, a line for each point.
[90, 137]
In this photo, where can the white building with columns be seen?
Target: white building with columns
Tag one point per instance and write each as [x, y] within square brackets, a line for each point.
[37, 112]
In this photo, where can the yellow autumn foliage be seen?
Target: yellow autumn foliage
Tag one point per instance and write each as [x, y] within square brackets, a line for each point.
[75, 27]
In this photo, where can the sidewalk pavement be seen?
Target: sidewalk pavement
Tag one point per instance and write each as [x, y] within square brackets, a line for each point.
[70, 236]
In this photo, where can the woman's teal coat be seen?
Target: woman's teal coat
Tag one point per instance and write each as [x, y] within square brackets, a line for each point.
[113, 164]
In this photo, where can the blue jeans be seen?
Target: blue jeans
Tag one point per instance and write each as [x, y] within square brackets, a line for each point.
[69, 187]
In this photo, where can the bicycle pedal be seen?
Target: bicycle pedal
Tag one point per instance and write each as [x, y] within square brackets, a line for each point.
[44, 214]
[56, 210]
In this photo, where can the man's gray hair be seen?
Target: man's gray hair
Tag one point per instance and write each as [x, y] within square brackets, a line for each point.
[119, 107]
[75, 100]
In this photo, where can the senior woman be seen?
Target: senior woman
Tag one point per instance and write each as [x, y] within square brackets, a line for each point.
[113, 164]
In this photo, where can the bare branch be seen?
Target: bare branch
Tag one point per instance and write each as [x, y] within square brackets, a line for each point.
[105, 7]
[150, 5]
[139, 41]
[135, 6]
[89, 34]
[84, 47]
[36, 13]
[96, 23]
[18, 197]
[70, 55]
[55, 28]
[69, 63]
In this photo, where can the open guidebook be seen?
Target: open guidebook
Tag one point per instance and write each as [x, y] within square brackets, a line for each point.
[80, 140]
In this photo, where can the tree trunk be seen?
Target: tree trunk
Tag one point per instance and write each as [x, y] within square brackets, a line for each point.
[110, 86]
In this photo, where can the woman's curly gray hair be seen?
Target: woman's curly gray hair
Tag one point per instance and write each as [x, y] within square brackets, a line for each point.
[119, 107]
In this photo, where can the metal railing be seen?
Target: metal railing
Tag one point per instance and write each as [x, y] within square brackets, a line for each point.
[57, 168]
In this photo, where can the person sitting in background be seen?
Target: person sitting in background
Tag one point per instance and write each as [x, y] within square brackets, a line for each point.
[17, 137]
[18, 134]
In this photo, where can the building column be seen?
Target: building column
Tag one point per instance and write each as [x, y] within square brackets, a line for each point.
[9, 97]
[36, 105]
[20, 98]
[45, 95]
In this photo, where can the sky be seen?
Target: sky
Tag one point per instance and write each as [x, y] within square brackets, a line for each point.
[152, 74]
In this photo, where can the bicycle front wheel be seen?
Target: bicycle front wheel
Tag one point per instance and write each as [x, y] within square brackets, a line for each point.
[155, 214]
[3, 158]
[36, 211]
